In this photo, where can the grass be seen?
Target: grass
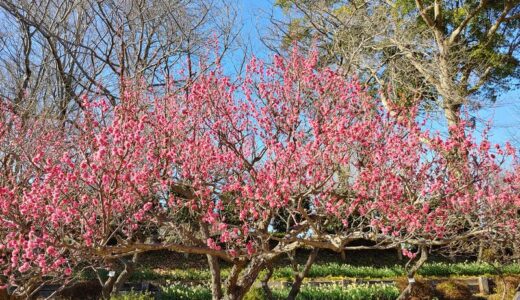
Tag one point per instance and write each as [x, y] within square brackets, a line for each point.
[342, 270]
[336, 270]
[505, 287]
[132, 296]
[183, 292]
[190, 274]
[192, 283]
[335, 292]
[467, 269]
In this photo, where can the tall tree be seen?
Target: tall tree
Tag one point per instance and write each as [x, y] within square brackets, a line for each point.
[445, 52]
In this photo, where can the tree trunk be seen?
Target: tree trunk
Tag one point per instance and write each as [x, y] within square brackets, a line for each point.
[298, 280]
[232, 288]
[265, 283]
[216, 283]
[406, 293]
[108, 285]
[447, 87]
[399, 251]
[452, 114]
[214, 267]
[343, 255]
[292, 258]
[240, 282]
[480, 252]
[129, 268]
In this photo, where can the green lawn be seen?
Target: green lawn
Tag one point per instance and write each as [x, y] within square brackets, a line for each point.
[338, 270]
[335, 292]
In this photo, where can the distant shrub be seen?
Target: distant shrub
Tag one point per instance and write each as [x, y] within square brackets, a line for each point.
[512, 269]
[334, 292]
[437, 269]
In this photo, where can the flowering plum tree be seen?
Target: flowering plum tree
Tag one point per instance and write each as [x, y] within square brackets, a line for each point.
[69, 192]
[433, 192]
[209, 168]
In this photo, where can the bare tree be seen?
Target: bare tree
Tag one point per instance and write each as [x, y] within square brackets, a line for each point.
[53, 52]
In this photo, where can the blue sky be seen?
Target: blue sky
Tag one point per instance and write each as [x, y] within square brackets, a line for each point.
[505, 113]
[506, 117]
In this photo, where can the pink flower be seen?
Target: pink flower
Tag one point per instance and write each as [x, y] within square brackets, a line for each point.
[250, 248]
[408, 253]
[25, 267]
[212, 244]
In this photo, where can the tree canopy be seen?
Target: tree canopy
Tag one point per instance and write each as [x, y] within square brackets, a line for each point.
[451, 53]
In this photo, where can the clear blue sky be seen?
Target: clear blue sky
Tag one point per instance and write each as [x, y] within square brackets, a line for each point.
[505, 114]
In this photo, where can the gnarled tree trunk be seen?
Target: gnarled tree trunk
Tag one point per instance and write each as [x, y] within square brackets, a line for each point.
[241, 280]
[129, 268]
[216, 283]
[298, 279]
[265, 282]
[405, 294]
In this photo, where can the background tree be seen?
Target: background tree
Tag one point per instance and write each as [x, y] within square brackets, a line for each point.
[52, 52]
[444, 53]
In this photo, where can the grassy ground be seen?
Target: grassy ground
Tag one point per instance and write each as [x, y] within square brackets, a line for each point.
[351, 292]
[186, 277]
[168, 266]
[448, 290]
[336, 271]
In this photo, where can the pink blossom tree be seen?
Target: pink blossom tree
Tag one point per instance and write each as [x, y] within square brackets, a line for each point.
[208, 168]
[68, 193]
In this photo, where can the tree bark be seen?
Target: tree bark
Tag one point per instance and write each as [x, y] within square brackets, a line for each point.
[214, 266]
[343, 255]
[244, 273]
[240, 282]
[452, 113]
[298, 280]
[265, 283]
[108, 285]
[231, 283]
[406, 293]
[399, 252]
[452, 100]
[216, 282]
[129, 268]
